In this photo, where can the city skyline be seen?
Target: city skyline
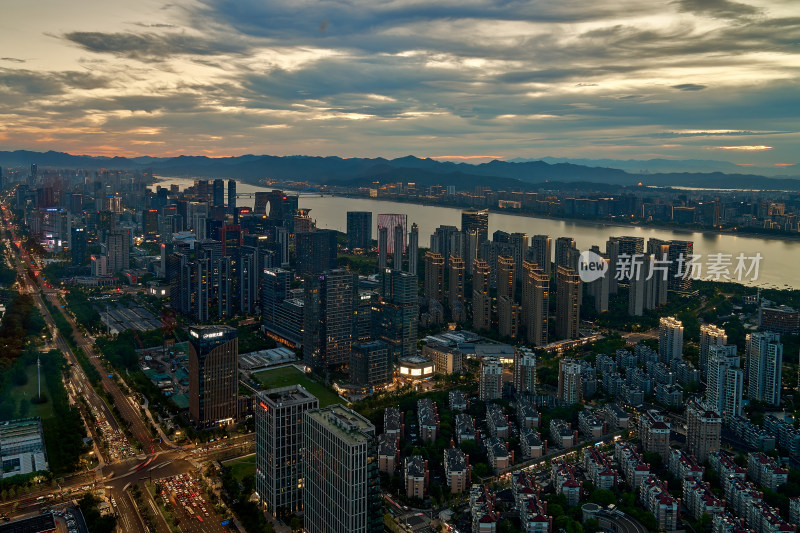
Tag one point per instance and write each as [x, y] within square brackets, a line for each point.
[466, 82]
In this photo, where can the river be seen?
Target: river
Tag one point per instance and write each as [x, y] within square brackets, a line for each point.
[776, 269]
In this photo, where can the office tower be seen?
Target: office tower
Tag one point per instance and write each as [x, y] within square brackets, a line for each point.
[316, 251]
[279, 446]
[491, 379]
[367, 306]
[703, 430]
[725, 382]
[359, 229]
[383, 247]
[413, 249]
[764, 364]
[519, 252]
[247, 278]
[710, 335]
[213, 374]
[391, 221]
[455, 293]
[447, 241]
[219, 193]
[118, 251]
[260, 203]
[506, 279]
[599, 289]
[471, 248]
[540, 252]
[434, 277]
[481, 297]
[370, 364]
[570, 384]
[150, 222]
[399, 236]
[329, 311]
[342, 482]
[508, 317]
[77, 246]
[232, 201]
[303, 222]
[275, 284]
[281, 238]
[535, 303]
[568, 303]
[396, 321]
[524, 370]
[472, 220]
[612, 252]
[566, 253]
[670, 339]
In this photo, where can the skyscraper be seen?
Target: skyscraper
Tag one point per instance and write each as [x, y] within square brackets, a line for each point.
[506, 279]
[709, 335]
[535, 303]
[213, 374]
[490, 386]
[218, 193]
[540, 252]
[569, 381]
[566, 253]
[455, 293]
[399, 236]
[274, 290]
[764, 365]
[279, 444]
[725, 381]
[524, 370]
[383, 247]
[599, 289]
[481, 296]
[413, 249]
[568, 303]
[396, 321]
[359, 229]
[232, 201]
[519, 252]
[472, 220]
[342, 482]
[329, 312]
[508, 317]
[316, 251]
[391, 221]
[118, 250]
[77, 246]
[471, 247]
[434, 277]
[670, 339]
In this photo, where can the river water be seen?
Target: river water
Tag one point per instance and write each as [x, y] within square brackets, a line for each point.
[777, 268]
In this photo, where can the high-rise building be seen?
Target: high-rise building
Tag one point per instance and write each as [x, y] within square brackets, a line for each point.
[670, 339]
[570, 385]
[396, 319]
[540, 252]
[342, 482]
[568, 303]
[391, 221]
[383, 247]
[370, 364]
[232, 201]
[481, 296]
[519, 252]
[725, 381]
[506, 280]
[275, 284]
[599, 289]
[447, 241]
[566, 253]
[213, 374]
[709, 335]
[703, 430]
[218, 193]
[150, 222]
[612, 252]
[434, 277]
[455, 293]
[329, 312]
[472, 220]
[399, 236]
[524, 370]
[413, 249]
[535, 303]
[359, 229]
[316, 251]
[471, 248]
[764, 365]
[303, 222]
[118, 250]
[77, 246]
[491, 379]
[279, 446]
[508, 317]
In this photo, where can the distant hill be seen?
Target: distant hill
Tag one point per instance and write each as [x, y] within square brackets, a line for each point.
[518, 175]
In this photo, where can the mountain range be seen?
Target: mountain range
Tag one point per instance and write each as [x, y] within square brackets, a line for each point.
[515, 174]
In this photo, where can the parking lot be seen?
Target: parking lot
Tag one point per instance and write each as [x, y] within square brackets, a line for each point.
[185, 498]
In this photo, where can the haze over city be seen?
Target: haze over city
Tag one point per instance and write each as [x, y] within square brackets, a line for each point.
[471, 81]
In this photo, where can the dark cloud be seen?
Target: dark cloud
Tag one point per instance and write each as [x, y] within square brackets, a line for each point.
[12, 59]
[37, 84]
[718, 8]
[153, 25]
[152, 46]
[689, 87]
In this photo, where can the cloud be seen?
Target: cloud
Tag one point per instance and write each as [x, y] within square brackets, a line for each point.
[718, 8]
[152, 46]
[12, 59]
[690, 87]
[754, 148]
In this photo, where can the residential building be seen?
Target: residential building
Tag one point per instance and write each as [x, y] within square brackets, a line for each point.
[654, 432]
[456, 470]
[569, 381]
[415, 470]
[764, 364]
[568, 303]
[535, 303]
[434, 277]
[491, 379]
[524, 370]
[481, 297]
[670, 339]
[703, 430]
[709, 335]
[428, 420]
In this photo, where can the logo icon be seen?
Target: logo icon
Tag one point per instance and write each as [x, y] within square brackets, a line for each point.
[591, 266]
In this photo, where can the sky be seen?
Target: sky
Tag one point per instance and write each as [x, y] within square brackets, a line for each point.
[467, 80]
